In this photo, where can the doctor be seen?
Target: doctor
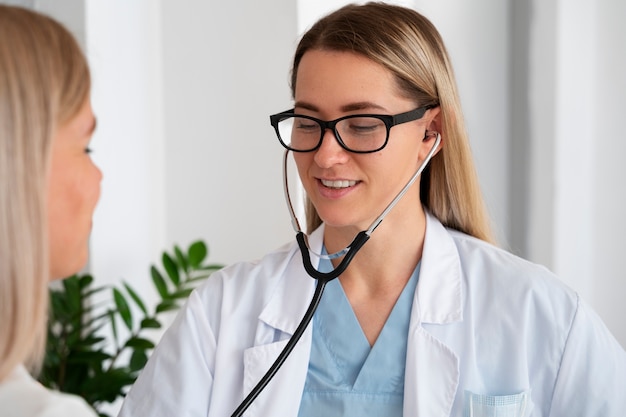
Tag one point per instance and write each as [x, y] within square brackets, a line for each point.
[429, 319]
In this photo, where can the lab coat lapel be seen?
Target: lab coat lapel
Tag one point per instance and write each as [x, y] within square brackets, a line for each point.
[431, 376]
[278, 321]
[432, 368]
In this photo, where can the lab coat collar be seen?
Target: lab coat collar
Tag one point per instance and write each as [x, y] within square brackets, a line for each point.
[432, 368]
[284, 312]
[438, 296]
[439, 290]
[291, 298]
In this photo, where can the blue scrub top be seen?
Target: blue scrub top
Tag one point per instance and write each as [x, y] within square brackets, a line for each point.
[346, 376]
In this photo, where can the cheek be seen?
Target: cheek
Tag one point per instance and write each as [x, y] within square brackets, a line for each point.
[72, 198]
[70, 192]
[303, 162]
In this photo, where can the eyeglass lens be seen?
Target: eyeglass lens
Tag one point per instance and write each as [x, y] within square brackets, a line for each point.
[359, 134]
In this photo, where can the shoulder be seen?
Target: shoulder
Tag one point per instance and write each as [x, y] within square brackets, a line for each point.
[476, 252]
[21, 395]
[502, 281]
[251, 275]
[247, 286]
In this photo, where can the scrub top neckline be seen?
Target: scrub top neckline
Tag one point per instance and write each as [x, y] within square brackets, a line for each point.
[359, 365]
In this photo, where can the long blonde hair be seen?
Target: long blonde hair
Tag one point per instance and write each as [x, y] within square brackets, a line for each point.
[44, 80]
[408, 45]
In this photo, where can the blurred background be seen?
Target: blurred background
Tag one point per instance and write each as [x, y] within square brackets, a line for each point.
[183, 89]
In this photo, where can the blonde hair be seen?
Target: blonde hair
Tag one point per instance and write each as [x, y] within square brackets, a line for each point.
[44, 80]
[408, 45]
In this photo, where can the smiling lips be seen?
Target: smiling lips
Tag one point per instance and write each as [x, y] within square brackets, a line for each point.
[338, 184]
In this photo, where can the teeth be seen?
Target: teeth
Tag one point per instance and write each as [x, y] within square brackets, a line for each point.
[338, 184]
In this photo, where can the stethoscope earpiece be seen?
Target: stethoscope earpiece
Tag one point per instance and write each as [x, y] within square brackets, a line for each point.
[430, 133]
[322, 278]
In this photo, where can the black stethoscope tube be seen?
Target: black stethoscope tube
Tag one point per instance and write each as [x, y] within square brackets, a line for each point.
[322, 278]
[317, 296]
[354, 247]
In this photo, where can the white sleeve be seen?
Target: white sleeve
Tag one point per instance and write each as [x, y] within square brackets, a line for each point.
[67, 405]
[592, 376]
[178, 377]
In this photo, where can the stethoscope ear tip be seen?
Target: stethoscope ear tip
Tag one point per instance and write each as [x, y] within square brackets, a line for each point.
[430, 133]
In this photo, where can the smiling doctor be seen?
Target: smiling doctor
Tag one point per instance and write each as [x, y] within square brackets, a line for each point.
[429, 318]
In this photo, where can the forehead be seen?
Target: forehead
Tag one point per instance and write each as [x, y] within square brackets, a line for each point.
[328, 76]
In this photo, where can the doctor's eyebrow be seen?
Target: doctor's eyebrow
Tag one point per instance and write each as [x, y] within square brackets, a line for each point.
[361, 105]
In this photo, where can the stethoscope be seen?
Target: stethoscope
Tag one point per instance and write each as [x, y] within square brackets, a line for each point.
[323, 277]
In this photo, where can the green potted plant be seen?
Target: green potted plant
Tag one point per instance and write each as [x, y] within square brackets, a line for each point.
[97, 349]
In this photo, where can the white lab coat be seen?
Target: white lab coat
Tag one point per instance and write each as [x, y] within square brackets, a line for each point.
[482, 320]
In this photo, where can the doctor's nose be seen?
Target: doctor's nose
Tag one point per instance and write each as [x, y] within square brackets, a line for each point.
[330, 151]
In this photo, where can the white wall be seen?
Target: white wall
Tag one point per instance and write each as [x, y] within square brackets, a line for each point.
[591, 147]
[225, 71]
[476, 36]
[577, 98]
[124, 49]
[608, 190]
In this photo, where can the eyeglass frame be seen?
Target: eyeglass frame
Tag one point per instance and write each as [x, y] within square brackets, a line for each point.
[389, 121]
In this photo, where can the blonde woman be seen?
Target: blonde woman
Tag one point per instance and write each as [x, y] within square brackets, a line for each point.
[426, 317]
[48, 191]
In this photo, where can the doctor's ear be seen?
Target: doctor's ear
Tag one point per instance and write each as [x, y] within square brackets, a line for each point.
[429, 140]
[430, 134]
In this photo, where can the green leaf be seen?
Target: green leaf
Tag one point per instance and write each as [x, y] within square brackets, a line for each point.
[85, 281]
[181, 259]
[159, 283]
[150, 323]
[198, 278]
[88, 357]
[197, 252]
[107, 386]
[97, 322]
[122, 308]
[184, 293]
[83, 356]
[212, 267]
[138, 360]
[171, 268]
[113, 325]
[89, 341]
[73, 295]
[136, 298]
[166, 305]
[94, 291]
[139, 343]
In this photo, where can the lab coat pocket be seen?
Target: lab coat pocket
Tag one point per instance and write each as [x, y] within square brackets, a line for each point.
[257, 360]
[515, 405]
[281, 397]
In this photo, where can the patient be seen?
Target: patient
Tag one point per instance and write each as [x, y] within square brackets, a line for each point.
[49, 188]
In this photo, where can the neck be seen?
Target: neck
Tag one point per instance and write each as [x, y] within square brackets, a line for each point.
[390, 255]
[380, 270]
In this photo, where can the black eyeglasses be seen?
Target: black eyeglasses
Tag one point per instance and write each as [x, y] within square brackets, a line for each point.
[358, 133]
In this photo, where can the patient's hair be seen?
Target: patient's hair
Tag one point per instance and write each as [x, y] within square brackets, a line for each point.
[44, 80]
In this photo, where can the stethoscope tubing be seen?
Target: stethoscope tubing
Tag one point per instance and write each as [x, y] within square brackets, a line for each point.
[322, 278]
[317, 296]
